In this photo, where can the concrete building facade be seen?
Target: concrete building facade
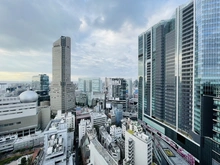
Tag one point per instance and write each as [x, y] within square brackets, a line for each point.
[134, 141]
[62, 89]
[19, 115]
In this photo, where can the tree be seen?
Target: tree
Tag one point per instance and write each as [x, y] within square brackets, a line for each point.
[23, 161]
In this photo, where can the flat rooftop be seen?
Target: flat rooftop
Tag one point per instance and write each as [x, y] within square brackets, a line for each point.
[102, 151]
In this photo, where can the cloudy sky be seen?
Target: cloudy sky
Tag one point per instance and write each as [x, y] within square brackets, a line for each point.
[103, 32]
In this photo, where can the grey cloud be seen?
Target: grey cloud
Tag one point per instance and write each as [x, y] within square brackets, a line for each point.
[32, 26]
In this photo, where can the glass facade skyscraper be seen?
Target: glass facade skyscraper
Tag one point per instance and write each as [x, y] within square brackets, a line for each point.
[179, 76]
[140, 76]
[93, 84]
[40, 82]
[207, 56]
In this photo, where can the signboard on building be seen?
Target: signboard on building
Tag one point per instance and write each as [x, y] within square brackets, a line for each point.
[116, 81]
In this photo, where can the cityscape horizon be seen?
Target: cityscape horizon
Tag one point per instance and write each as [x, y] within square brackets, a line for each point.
[129, 83]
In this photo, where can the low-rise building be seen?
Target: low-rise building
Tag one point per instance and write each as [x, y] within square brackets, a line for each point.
[29, 141]
[58, 143]
[115, 132]
[14, 143]
[98, 119]
[7, 143]
[68, 117]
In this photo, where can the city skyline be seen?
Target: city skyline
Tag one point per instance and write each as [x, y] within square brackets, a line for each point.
[102, 45]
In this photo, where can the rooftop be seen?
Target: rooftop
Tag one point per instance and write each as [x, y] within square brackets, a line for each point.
[140, 135]
[56, 124]
[97, 114]
[102, 151]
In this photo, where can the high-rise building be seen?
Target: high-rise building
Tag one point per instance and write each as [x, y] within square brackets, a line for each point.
[115, 89]
[178, 66]
[62, 89]
[129, 86]
[90, 84]
[40, 82]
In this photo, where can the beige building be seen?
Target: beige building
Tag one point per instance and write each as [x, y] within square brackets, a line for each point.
[62, 89]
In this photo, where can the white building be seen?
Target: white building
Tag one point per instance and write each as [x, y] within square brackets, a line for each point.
[124, 128]
[68, 118]
[134, 141]
[99, 155]
[130, 124]
[58, 143]
[98, 119]
[19, 115]
[7, 142]
[115, 132]
[93, 96]
[82, 128]
[62, 89]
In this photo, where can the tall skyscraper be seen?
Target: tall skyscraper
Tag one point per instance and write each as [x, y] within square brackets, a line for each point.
[178, 70]
[129, 88]
[62, 89]
[40, 82]
[92, 84]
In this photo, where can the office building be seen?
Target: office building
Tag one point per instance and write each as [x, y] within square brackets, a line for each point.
[62, 89]
[115, 132]
[40, 82]
[69, 119]
[178, 63]
[58, 143]
[93, 84]
[98, 119]
[118, 116]
[82, 128]
[134, 141]
[115, 89]
[99, 155]
[19, 115]
[94, 97]
[81, 98]
[129, 86]
[43, 97]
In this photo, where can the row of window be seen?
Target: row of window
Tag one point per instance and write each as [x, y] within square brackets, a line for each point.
[9, 124]
[17, 109]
